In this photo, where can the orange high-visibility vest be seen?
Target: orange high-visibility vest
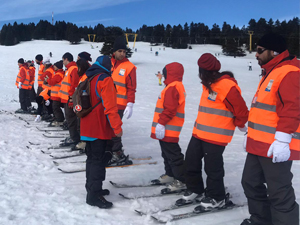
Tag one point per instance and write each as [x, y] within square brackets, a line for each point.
[263, 118]
[66, 84]
[32, 68]
[82, 78]
[174, 126]
[55, 88]
[119, 76]
[25, 84]
[45, 94]
[51, 70]
[40, 73]
[214, 121]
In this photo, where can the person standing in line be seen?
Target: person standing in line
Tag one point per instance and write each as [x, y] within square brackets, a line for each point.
[23, 83]
[84, 55]
[167, 124]
[55, 82]
[31, 68]
[221, 109]
[39, 62]
[68, 85]
[97, 129]
[273, 139]
[124, 77]
[250, 66]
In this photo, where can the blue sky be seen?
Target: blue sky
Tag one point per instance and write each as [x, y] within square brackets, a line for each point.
[134, 13]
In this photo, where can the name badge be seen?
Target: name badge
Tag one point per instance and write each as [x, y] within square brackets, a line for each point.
[212, 96]
[122, 72]
[268, 88]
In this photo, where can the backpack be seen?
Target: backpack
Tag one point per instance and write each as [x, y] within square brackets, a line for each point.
[81, 98]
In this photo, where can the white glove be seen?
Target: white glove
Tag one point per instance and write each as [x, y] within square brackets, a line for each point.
[280, 148]
[244, 129]
[160, 131]
[47, 103]
[38, 118]
[20, 85]
[128, 110]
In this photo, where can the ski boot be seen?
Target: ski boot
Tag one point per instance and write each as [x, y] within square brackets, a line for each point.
[163, 179]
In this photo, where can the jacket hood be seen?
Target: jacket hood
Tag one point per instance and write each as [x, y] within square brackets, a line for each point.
[225, 76]
[102, 65]
[173, 72]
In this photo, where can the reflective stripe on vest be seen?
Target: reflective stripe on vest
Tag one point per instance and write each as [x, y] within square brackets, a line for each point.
[25, 84]
[214, 121]
[32, 68]
[263, 118]
[51, 70]
[119, 76]
[66, 84]
[40, 73]
[55, 88]
[174, 126]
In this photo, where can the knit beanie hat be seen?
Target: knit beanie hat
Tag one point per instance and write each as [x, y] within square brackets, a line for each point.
[208, 62]
[85, 55]
[21, 60]
[47, 61]
[59, 64]
[274, 42]
[120, 43]
[39, 57]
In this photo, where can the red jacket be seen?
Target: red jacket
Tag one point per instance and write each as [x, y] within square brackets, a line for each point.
[23, 73]
[288, 98]
[130, 81]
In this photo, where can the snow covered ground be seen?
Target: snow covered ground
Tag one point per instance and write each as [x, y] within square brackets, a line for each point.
[33, 191]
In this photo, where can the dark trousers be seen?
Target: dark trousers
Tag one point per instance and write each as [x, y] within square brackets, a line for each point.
[95, 166]
[72, 123]
[275, 202]
[118, 140]
[173, 160]
[213, 167]
[32, 94]
[39, 90]
[41, 107]
[24, 98]
[58, 113]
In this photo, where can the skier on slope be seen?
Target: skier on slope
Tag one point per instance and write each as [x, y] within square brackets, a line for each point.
[221, 109]
[167, 123]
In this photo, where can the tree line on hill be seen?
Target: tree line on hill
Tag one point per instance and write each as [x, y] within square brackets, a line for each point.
[234, 40]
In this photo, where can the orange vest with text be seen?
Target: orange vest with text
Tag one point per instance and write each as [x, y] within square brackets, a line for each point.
[174, 126]
[40, 73]
[66, 84]
[119, 76]
[214, 121]
[25, 84]
[263, 118]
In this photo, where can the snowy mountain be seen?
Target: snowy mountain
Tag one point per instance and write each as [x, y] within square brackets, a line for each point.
[33, 191]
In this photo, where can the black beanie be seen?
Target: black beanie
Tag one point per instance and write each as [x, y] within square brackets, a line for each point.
[274, 42]
[120, 43]
[39, 57]
[21, 60]
[59, 64]
[85, 55]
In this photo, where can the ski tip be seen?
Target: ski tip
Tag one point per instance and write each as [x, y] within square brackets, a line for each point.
[140, 212]
[55, 163]
[112, 183]
[124, 196]
[158, 220]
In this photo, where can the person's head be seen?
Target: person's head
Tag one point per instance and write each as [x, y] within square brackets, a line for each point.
[67, 58]
[84, 55]
[30, 63]
[47, 64]
[268, 47]
[38, 59]
[173, 72]
[20, 61]
[82, 66]
[119, 48]
[209, 67]
[58, 65]
[104, 64]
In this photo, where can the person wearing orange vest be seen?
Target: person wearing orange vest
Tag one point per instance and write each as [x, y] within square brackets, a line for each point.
[221, 109]
[43, 100]
[39, 62]
[124, 76]
[68, 85]
[31, 67]
[273, 139]
[55, 83]
[167, 124]
[23, 83]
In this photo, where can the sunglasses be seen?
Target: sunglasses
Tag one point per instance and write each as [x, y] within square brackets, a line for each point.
[261, 50]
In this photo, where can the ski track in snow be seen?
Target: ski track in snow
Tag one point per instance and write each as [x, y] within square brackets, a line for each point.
[33, 191]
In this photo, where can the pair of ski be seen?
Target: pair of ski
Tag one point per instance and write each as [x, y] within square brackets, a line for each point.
[168, 218]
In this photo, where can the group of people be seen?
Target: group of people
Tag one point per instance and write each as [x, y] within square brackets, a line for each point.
[272, 140]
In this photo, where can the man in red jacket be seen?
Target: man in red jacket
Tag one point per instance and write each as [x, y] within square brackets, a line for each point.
[273, 139]
[97, 129]
[124, 77]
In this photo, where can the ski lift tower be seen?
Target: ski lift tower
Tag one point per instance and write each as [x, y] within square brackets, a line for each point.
[94, 36]
[127, 34]
[250, 41]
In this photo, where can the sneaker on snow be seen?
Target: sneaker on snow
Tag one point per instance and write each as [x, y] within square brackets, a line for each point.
[68, 142]
[80, 146]
[55, 124]
[99, 201]
[46, 117]
[189, 197]
[176, 185]
[208, 203]
[249, 222]
[163, 179]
